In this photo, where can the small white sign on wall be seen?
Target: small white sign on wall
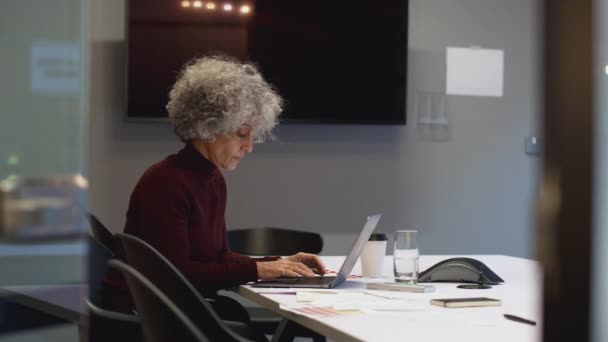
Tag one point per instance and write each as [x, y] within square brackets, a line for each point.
[55, 68]
[474, 71]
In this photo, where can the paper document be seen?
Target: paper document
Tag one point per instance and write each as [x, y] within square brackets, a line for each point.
[474, 71]
[317, 303]
[55, 68]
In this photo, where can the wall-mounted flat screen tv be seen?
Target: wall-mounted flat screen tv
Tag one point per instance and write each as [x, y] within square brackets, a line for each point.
[334, 61]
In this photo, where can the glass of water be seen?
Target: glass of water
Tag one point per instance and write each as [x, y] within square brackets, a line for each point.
[405, 256]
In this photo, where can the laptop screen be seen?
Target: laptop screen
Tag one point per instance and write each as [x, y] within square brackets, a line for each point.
[355, 251]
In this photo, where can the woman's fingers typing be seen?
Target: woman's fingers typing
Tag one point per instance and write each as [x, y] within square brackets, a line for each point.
[310, 260]
[317, 265]
[283, 268]
[296, 269]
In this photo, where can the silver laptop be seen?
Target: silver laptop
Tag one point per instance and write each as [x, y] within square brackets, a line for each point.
[329, 282]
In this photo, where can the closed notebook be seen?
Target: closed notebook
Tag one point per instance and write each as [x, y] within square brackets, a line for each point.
[466, 302]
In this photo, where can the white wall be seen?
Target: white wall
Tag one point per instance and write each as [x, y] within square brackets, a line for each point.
[468, 189]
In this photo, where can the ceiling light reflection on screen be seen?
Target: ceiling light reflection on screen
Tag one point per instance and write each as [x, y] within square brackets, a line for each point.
[245, 9]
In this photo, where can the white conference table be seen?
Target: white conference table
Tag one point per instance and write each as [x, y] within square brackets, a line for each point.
[521, 295]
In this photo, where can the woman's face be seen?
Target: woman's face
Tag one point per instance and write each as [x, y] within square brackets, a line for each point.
[227, 150]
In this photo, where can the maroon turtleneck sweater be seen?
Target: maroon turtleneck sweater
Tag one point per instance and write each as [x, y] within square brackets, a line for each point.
[178, 207]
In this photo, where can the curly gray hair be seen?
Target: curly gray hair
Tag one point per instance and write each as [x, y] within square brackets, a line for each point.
[217, 94]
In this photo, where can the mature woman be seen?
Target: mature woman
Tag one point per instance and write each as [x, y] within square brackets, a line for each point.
[218, 108]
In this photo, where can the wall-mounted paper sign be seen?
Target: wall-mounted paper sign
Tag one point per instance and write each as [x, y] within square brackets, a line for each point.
[55, 68]
[474, 71]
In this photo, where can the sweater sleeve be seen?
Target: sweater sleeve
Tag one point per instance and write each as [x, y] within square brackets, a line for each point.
[163, 214]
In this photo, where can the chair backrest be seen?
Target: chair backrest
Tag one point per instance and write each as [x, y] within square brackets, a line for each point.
[161, 319]
[97, 265]
[107, 325]
[273, 241]
[101, 232]
[156, 268]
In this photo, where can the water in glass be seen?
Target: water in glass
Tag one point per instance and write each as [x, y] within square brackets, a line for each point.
[406, 265]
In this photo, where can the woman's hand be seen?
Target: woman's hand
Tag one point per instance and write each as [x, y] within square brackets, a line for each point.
[293, 266]
[312, 261]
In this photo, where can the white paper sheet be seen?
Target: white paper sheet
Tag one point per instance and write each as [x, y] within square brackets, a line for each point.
[474, 71]
[317, 303]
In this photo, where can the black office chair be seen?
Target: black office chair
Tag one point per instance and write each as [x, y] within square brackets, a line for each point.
[97, 265]
[273, 241]
[168, 279]
[107, 325]
[101, 233]
[161, 319]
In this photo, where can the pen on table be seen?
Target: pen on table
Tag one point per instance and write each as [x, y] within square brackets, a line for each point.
[519, 319]
[377, 295]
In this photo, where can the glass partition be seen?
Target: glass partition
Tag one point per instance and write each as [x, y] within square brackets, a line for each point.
[43, 189]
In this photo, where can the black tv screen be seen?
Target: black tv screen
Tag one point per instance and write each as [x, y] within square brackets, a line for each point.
[334, 61]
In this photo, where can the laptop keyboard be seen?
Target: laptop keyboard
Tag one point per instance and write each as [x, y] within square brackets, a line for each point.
[313, 280]
[300, 280]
